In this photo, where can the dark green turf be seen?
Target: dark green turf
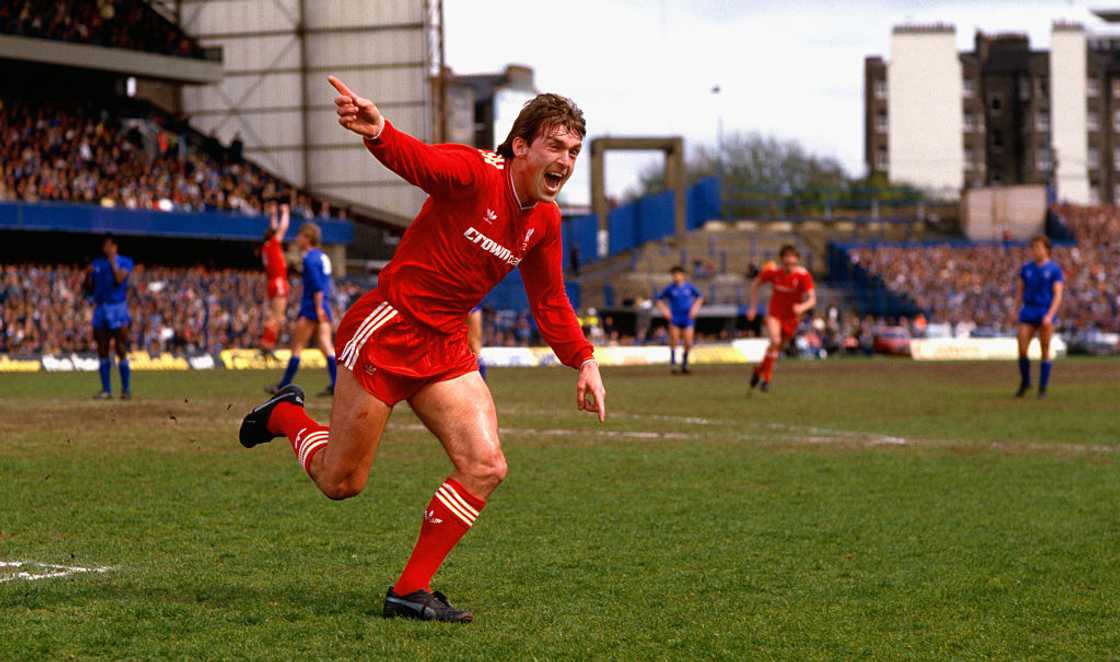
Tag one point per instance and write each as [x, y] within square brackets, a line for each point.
[876, 509]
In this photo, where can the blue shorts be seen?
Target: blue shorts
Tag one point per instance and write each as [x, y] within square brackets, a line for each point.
[1033, 315]
[682, 321]
[307, 310]
[111, 316]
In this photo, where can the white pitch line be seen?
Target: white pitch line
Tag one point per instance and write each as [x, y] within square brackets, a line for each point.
[54, 570]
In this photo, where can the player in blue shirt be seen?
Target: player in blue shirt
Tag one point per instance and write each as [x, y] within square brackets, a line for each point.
[679, 302]
[314, 308]
[1040, 295]
[107, 278]
[474, 336]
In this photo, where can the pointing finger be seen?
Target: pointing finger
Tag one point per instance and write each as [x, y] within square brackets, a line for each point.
[341, 87]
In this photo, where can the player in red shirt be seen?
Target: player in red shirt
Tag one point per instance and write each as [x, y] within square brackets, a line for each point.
[791, 295]
[486, 214]
[276, 270]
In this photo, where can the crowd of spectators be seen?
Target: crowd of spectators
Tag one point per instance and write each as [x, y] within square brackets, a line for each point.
[977, 285]
[130, 24]
[121, 153]
[179, 310]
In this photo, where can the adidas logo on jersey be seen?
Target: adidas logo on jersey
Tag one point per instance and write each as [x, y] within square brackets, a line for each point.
[490, 216]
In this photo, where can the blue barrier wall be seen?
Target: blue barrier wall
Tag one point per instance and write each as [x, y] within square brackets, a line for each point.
[510, 294]
[648, 218]
[582, 231]
[92, 219]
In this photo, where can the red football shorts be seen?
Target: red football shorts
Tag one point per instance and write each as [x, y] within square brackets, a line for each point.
[392, 356]
[789, 326]
[278, 287]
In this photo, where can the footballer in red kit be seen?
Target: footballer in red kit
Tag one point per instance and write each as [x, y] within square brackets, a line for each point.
[791, 295]
[487, 213]
[276, 270]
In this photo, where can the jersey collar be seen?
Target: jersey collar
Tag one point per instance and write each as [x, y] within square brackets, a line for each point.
[513, 190]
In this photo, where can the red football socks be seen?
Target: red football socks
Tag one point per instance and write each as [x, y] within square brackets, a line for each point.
[765, 370]
[307, 436]
[268, 338]
[448, 517]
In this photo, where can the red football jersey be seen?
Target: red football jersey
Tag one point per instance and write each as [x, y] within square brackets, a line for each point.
[471, 232]
[788, 289]
[273, 255]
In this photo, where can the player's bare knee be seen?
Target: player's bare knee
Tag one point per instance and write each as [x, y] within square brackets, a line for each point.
[490, 470]
[340, 490]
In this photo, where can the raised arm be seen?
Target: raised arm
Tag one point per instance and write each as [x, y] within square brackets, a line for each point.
[285, 219]
[543, 273]
[433, 168]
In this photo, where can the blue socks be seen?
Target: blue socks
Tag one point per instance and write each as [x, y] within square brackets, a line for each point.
[126, 376]
[1044, 376]
[332, 368]
[672, 356]
[684, 360]
[1025, 371]
[290, 372]
[105, 367]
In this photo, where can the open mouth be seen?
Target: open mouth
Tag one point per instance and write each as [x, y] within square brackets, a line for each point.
[553, 181]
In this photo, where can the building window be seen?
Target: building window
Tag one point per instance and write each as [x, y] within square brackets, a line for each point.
[1041, 86]
[1093, 121]
[1093, 88]
[1116, 120]
[1115, 193]
[1094, 158]
[880, 89]
[1042, 160]
[969, 121]
[1116, 156]
[1024, 88]
[1094, 194]
[881, 124]
[969, 90]
[881, 159]
[1042, 122]
[995, 103]
[1116, 88]
[997, 139]
[997, 178]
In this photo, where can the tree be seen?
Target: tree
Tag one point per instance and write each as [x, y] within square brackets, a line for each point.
[764, 176]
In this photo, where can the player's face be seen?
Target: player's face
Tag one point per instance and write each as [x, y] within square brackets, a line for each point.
[109, 248]
[549, 160]
[678, 277]
[790, 261]
[302, 242]
[1038, 249]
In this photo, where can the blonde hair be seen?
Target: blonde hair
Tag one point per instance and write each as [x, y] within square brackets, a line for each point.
[312, 232]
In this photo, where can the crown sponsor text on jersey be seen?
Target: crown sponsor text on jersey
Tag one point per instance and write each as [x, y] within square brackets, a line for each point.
[490, 246]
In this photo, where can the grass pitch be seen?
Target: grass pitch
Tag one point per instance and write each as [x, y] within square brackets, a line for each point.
[863, 509]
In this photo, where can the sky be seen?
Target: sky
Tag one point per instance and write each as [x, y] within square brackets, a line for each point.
[647, 67]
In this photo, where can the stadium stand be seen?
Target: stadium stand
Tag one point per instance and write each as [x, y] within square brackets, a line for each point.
[126, 152]
[174, 309]
[974, 284]
[128, 24]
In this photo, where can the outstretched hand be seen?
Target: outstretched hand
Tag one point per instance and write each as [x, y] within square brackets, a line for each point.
[356, 113]
[591, 395]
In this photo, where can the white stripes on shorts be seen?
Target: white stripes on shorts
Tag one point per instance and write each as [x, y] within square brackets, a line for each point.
[374, 321]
